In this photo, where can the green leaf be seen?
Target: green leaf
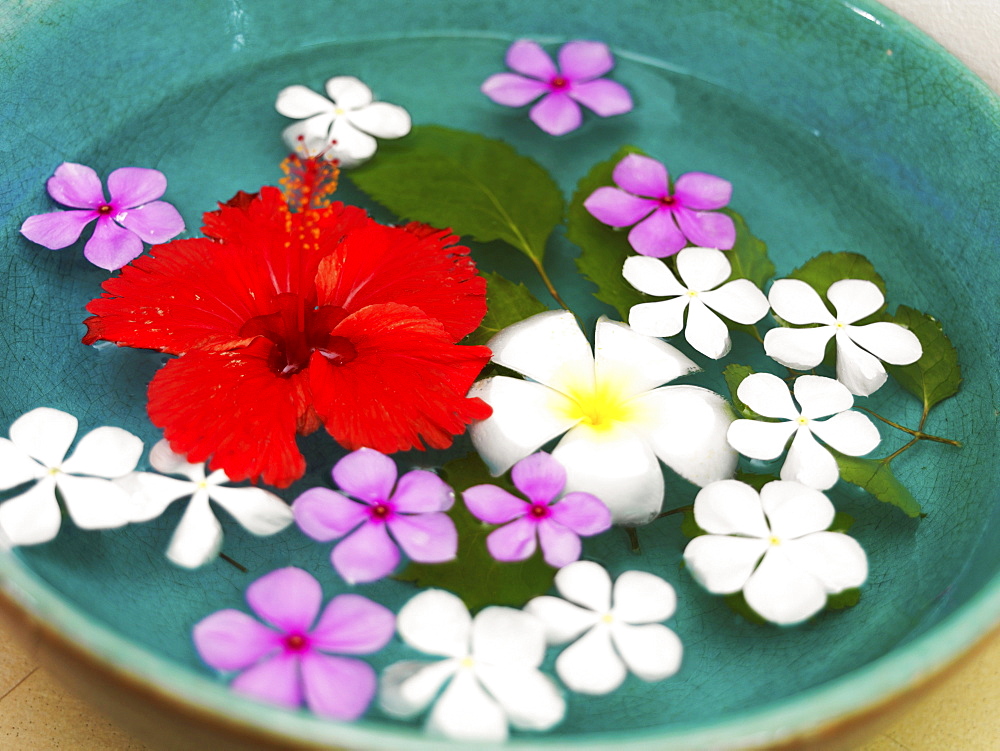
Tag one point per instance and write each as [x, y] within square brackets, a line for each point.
[603, 248]
[937, 374]
[689, 527]
[474, 575]
[755, 481]
[477, 186]
[734, 375]
[748, 257]
[877, 478]
[846, 599]
[507, 303]
[841, 522]
[738, 604]
[826, 268]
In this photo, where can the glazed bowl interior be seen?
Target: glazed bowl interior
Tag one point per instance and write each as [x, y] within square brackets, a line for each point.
[841, 128]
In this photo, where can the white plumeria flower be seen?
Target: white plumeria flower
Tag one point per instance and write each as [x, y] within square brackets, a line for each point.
[343, 127]
[490, 664]
[774, 546]
[198, 537]
[37, 448]
[860, 349]
[807, 462]
[702, 270]
[618, 425]
[621, 629]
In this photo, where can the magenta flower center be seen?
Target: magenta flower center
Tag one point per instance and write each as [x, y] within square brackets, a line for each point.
[558, 83]
[104, 209]
[668, 202]
[539, 511]
[381, 512]
[296, 642]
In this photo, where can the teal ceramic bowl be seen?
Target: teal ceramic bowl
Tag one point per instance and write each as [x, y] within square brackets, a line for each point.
[841, 128]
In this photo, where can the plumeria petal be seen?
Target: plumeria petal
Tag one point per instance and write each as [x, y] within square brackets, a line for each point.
[794, 510]
[350, 145]
[515, 541]
[311, 136]
[582, 60]
[93, 502]
[730, 507]
[739, 300]
[540, 477]
[352, 624]
[513, 90]
[709, 229]
[560, 545]
[337, 687]
[435, 622]
[700, 191]
[585, 583]
[706, 332]
[651, 651]
[652, 276]
[809, 463]
[33, 516]
[722, 564]
[325, 515]
[658, 235]
[105, 452]
[44, 434]
[590, 665]
[152, 493]
[381, 119]
[421, 491]
[849, 433]
[760, 440]
[604, 98]
[507, 637]
[641, 597]
[889, 342]
[556, 114]
[57, 229]
[76, 185]
[164, 459]
[664, 318]
[135, 186]
[18, 467]
[819, 396]
[835, 559]
[302, 102]
[407, 688]
[781, 592]
[634, 362]
[154, 223]
[198, 536]
[527, 57]
[642, 176]
[367, 475]
[232, 640]
[544, 346]
[798, 303]
[703, 268]
[617, 208]
[861, 372]
[493, 504]
[531, 700]
[853, 299]
[563, 620]
[288, 598]
[257, 510]
[466, 712]
[798, 349]
[426, 538]
[111, 246]
[275, 681]
[766, 394]
[583, 513]
[366, 555]
[348, 92]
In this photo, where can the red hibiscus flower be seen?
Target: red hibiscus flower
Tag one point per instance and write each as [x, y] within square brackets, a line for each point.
[287, 321]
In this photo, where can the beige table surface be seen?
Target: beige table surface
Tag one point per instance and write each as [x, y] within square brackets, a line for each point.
[961, 714]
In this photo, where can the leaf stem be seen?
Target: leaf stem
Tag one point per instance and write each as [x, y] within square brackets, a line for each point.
[548, 283]
[231, 562]
[918, 434]
[679, 510]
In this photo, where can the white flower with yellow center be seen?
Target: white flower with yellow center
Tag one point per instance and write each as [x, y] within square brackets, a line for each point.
[618, 419]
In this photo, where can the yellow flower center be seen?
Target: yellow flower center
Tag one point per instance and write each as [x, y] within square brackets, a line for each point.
[601, 407]
[775, 540]
[607, 618]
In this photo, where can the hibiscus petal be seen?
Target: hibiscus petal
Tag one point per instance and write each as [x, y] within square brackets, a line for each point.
[584, 513]
[591, 665]
[563, 620]
[531, 700]
[709, 229]
[232, 640]
[560, 545]
[525, 416]
[632, 363]
[730, 507]
[861, 372]
[367, 555]
[767, 395]
[352, 624]
[853, 299]
[466, 712]
[703, 269]
[493, 504]
[198, 537]
[287, 598]
[641, 597]
[325, 515]
[44, 434]
[382, 120]
[95, 503]
[56, 229]
[276, 681]
[348, 92]
[540, 477]
[586, 583]
[582, 60]
[527, 57]
[722, 564]
[618, 467]
[849, 433]
[135, 186]
[889, 342]
[658, 235]
[652, 276]
[781, 592]
[349, 145]
[556, 114]
[652, 652]
[809, 463]
[798, 349]
[514, 541]
[367, 475]
[701, 191]
[604, 98]
[760, 440]
[835, 559]
[545, 346]
[706, 332]
[155, 222]
[739, 300]
[512, 90]
[617, 208]
[76, 185]
[426, 538]
[337, 687]
[33, 516]
[406, 688]
[686, 427]
[435, 622]
[105, 452]
[111, 246]
[797, 302]
[257, 510]
[794, 510]
[301, 102]
[664, 318]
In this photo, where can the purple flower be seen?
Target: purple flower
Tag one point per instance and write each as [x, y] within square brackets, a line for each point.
[557, 525]
[287, 660]
[664, 222]
[131, 217]
[576, 80]
[413, 514]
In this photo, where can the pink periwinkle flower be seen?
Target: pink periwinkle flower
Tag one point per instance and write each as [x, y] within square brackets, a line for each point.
[131, 216]
[664, 221]
[556, 523]
[380, 520]
[577, 80]
[293, 657]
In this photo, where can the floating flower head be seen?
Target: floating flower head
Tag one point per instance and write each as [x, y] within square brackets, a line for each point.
[618, 425]
[293, 658]
[665, 220]
[198, 537]
[563, 89]
[860, 349]
[700, 292]
[807, 462]
[774, 546]
[490, 667]
[36, 452]
[385, 514]
[554, 520]
[129, 218]
[618, 630]
[343, 127]
[288, 321]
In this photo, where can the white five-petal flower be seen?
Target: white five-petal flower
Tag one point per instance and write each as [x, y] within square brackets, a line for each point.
[343, 127]
[620, 627]
[198, 537]
[807, 462]
[36, 451]
[702, 271]
[860, 349]
[774, 546]
[618, 425]
[490, 665]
